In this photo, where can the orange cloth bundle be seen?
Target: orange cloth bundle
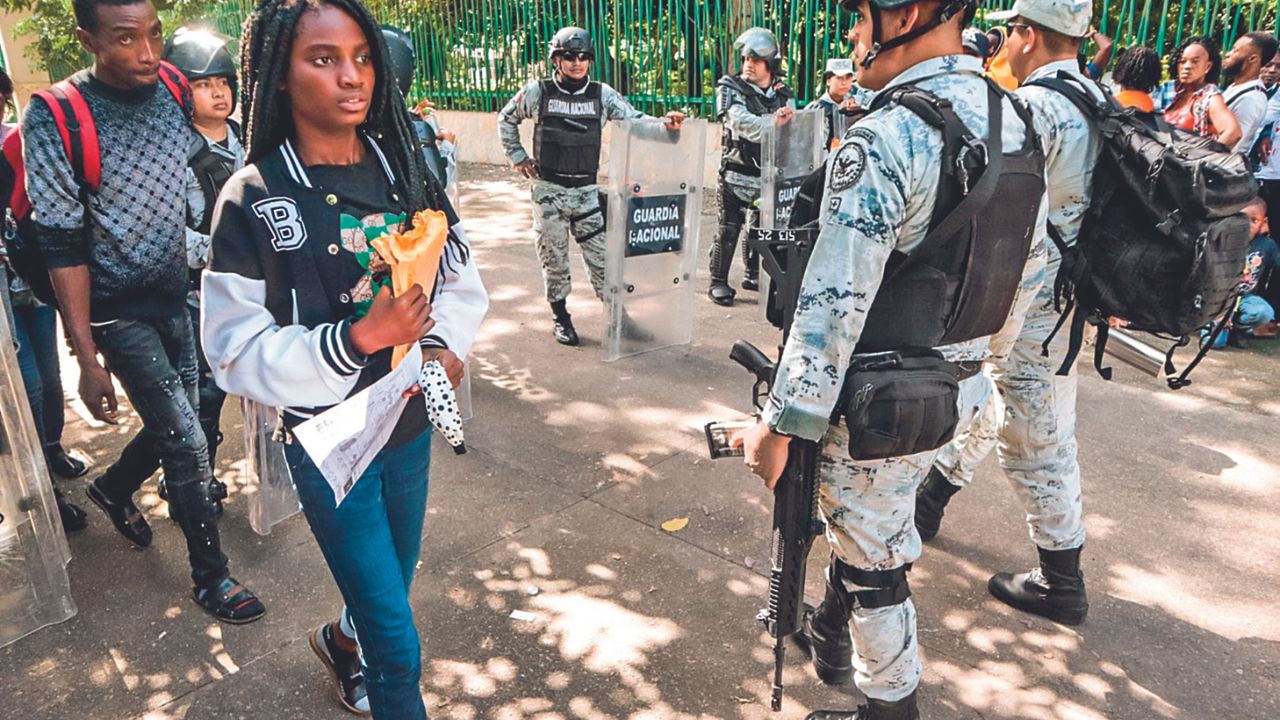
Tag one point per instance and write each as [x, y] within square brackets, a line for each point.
[414, 257]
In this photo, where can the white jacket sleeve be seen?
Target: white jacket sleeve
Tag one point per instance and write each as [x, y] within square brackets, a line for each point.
[249, 352]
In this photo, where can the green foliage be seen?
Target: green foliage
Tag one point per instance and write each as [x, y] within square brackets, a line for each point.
[664, 54]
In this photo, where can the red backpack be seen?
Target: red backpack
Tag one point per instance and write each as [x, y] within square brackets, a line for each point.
[80, 140]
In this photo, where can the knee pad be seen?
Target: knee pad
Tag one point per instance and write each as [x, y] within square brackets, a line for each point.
[889, 587]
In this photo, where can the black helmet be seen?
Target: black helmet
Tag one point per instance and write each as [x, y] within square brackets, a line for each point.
[404, 60]
[950, 8]
[201, 53]
[759, 43]
[572, 39]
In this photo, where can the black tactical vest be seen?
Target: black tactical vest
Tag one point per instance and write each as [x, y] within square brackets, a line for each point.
[738, 155]
[960, 282]
[212, 170]
[566, 138]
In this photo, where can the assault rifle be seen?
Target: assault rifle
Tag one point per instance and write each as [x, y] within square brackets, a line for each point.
[795, 497]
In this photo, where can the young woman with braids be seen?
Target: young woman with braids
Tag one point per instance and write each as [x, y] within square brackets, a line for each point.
[296, 315]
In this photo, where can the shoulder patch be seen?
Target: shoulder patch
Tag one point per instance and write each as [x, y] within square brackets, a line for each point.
[847, 167]
[285, 222]
[858, 131]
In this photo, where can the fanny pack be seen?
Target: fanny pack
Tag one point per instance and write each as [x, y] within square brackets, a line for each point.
[901, 402]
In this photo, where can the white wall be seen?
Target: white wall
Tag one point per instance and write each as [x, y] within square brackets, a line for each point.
[478, 141]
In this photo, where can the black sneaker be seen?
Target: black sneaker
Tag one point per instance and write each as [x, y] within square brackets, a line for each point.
[344, 666]
[63, 465]
[125, 516]
[230, 602]
[564, 333]
[344, 669]
[73, 518]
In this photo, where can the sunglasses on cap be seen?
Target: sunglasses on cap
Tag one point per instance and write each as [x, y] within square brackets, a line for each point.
[577, 56]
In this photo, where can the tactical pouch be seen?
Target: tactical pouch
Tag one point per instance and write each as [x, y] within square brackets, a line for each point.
[900, 403]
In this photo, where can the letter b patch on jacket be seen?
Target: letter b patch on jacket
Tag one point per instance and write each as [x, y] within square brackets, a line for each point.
[282, 217]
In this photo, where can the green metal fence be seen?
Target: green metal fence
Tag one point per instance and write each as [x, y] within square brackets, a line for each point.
[668, 54]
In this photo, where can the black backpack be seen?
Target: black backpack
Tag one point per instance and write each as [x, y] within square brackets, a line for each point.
[1163, 241]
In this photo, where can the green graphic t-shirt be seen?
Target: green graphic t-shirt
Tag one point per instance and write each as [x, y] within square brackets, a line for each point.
[368, 211]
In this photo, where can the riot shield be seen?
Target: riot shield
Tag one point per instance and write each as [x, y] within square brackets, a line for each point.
[654, 201]
[789, 153]
[463, 392]
[265, 477]
[34, 589]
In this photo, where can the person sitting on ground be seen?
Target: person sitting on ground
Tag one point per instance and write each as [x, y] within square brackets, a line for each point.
[1137, 73]
[1254, 316]
[1193, 101]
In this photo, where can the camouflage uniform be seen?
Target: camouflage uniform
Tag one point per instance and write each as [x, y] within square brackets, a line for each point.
[881, 188]
[1036, 430]
[739, 191]
[559, 210]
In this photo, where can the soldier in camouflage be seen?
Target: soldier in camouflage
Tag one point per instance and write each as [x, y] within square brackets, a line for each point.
[744, 104]
[570, 111]
[881, 189]
[1033, 419]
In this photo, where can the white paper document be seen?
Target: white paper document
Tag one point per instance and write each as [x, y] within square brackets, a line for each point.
[343, 440]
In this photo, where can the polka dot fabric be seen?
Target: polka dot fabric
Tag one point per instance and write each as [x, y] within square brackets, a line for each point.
[442, 404]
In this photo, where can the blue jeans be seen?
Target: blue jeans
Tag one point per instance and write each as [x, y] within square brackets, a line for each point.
[35, 328]
[371, 544]
[1253, 311]
[155, 361]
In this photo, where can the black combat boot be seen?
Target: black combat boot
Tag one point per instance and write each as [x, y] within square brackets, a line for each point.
[1054, 590]
[721, 258]
[904, 709]
[563, 330]
[751, 278]
[931, 501]
[824, 637]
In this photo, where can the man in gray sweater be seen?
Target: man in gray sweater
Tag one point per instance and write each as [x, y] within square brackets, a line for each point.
[116, 256]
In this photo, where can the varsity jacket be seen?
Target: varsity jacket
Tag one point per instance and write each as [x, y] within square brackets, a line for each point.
[277, 312]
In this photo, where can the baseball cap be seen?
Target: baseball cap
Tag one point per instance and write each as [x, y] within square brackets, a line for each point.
[977, 43]
[1069, 17]
[838, 67]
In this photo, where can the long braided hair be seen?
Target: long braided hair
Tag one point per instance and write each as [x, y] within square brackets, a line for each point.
[265, 45]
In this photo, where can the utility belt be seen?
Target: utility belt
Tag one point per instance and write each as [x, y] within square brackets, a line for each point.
[569, 181]
[901, 402]
[740, 168]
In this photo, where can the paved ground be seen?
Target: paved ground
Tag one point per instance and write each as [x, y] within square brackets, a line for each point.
[556, 511]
